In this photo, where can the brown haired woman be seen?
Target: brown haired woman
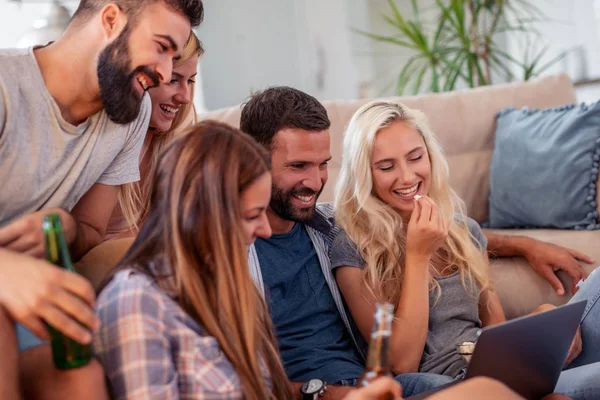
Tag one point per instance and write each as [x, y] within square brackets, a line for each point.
[181, 316]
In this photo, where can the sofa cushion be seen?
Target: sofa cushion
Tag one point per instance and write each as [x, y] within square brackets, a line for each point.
[544, 168]
[520, 288]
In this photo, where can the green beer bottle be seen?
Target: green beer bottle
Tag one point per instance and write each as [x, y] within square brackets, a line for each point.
[66, 352]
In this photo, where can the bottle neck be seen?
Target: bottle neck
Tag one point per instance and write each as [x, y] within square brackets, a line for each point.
[57, 250]
[378, 358]
[379, 347]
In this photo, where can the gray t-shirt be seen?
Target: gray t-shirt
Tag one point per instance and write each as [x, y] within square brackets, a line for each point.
[453, 318]
[45, 161]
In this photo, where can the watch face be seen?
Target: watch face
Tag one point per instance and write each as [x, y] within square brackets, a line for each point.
[312, 386]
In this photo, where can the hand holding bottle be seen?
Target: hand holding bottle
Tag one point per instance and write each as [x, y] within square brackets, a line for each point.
[33, 291]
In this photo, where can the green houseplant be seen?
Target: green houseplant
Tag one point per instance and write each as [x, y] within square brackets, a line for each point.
[459, 46]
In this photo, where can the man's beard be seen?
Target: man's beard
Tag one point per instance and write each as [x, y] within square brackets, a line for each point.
[121, 101]
[281, 204]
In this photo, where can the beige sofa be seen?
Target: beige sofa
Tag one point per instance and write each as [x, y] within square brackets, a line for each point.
[465, 124]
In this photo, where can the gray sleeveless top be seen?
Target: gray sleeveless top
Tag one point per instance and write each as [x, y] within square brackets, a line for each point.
[453, 317]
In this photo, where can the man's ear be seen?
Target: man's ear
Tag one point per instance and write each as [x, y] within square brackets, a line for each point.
[113, 21]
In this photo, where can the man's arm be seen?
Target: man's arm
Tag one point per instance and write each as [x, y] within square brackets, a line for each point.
[544, 258]
[84, 227]
[91, 215]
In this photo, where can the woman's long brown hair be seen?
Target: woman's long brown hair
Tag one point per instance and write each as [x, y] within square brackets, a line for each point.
[193, 227]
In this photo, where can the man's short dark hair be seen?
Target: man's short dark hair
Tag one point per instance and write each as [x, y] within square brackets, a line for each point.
[193, 9]
[281, 107]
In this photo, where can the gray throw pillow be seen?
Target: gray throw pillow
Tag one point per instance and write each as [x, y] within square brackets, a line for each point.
[545, 167]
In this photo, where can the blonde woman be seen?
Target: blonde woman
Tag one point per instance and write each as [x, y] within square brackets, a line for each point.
[172, 112]
[407, 240]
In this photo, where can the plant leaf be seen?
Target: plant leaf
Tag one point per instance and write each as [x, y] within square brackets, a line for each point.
[454, 72]
[539, 70]
[417, 14]
[497, 64]
[387, 39]
[419, 81]
[404, 76]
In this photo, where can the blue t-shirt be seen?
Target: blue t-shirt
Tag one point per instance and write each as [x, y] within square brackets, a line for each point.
[313, 339]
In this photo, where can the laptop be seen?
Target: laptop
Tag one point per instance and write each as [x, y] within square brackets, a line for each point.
[527, 354]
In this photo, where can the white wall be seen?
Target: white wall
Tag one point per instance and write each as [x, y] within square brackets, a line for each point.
[571, 26]
[16, 19]
[301, 43]
[388, 59]
[568, 26]
[248, 45]
[327, 67]
[358, 18]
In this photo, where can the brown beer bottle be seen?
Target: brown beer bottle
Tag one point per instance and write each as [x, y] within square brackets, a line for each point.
[378, 360]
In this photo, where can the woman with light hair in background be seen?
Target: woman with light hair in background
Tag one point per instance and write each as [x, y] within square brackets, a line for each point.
[172, 112]
[406, 239]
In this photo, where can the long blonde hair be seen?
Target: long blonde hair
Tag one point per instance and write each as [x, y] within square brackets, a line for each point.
[193, 228]
[133, 197]
[377, 229]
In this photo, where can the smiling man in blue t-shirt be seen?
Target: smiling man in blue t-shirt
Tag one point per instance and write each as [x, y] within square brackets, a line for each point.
[317, 338]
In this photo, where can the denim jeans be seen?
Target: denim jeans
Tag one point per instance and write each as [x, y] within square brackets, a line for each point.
[412, 383]
[581, 379]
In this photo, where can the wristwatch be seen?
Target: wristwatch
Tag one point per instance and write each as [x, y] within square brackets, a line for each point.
[312, 389]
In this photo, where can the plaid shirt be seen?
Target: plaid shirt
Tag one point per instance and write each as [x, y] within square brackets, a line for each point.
[151, 349]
